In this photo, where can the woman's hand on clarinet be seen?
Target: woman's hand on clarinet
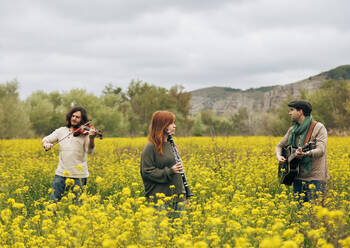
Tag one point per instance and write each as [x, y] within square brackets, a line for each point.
[177, 168]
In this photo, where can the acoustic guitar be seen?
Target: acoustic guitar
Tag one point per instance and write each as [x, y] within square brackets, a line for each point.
[288, 170]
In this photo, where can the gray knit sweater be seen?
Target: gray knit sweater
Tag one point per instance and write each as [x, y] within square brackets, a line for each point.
[156, 171]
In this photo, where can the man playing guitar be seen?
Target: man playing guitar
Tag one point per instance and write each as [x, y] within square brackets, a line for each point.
[313, 167]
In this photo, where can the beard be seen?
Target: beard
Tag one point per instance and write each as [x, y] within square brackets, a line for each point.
[76, 126]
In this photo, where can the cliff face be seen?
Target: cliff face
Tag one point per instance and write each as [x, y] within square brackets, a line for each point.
[226, 101]
[273, 98]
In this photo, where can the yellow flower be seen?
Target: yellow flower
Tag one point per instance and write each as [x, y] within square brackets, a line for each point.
[66, 173]
[345, 242]
[76, 188]
[69, 182]
[314, 234]
[160, 195]
[241, 242]
[19, 245]
[321, 212]
[11, 201]
[327, 246]
[278, 225]
[200, 244]
[289, 244]
[79, 167]
[299, 238]
[323, 244]
[99, 179]
[108, 243]
[274, 242]
[312, 186]
[6, 215]
[126, 191]
[255, 211]
[336, 214]
[305, 224]
[18, 205]
[288, 233]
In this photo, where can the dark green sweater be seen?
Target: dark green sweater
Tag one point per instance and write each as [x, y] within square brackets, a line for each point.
[156, 171]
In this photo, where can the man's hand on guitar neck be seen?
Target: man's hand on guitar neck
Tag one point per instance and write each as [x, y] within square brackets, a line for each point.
[300, 154]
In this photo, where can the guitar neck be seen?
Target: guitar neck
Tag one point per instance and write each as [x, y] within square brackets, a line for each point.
[304, 149]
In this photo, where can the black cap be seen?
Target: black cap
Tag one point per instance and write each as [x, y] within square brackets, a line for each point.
[301, 104]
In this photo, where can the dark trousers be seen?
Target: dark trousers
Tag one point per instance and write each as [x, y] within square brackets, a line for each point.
[301, 186]
[59, 187]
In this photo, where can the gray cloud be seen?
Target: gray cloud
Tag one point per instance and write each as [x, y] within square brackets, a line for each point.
[60, 45]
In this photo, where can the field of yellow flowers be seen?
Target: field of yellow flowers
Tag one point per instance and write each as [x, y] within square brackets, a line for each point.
[237, 201]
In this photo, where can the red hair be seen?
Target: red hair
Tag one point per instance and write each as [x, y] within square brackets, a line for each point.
[160, 121]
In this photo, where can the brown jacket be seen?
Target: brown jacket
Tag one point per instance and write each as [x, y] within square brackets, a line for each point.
[319, 153]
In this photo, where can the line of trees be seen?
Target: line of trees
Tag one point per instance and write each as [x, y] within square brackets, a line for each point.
[115, 112]
[128, 113]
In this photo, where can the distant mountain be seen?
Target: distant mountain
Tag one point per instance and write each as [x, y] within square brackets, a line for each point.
[226, 101]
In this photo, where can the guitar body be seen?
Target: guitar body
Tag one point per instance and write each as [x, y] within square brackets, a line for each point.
[289, 170]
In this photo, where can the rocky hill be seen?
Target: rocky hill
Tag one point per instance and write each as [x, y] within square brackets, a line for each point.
[226, 101]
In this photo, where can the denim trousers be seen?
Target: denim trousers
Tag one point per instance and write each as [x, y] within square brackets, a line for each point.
[302, 186]
[59, 187]
[175, 209]
[176, 206]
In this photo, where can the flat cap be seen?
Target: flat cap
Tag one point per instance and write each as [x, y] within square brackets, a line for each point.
[301, 104]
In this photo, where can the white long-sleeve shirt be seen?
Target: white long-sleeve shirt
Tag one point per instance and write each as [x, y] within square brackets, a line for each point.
[72, 154]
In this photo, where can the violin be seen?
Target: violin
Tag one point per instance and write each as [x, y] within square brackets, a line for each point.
[84, 130]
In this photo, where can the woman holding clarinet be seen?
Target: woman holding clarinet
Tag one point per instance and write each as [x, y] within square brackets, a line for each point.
[161, 168]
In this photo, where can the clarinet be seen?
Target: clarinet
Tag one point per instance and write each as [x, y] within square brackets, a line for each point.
[178, 160]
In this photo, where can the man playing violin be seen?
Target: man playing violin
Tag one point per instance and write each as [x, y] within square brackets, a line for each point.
[75, 143]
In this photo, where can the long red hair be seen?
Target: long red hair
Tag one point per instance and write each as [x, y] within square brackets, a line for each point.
[160, 121]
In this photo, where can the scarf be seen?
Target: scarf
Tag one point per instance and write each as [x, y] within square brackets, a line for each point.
[301, 130]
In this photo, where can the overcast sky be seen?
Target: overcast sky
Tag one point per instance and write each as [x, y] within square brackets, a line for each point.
[64, 44]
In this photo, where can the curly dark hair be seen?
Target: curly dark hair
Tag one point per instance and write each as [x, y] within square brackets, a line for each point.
[84, 116]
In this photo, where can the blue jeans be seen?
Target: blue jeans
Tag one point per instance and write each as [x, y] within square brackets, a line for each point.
[59, 187]
[176, 206]
[301, 186]
[174, 209]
